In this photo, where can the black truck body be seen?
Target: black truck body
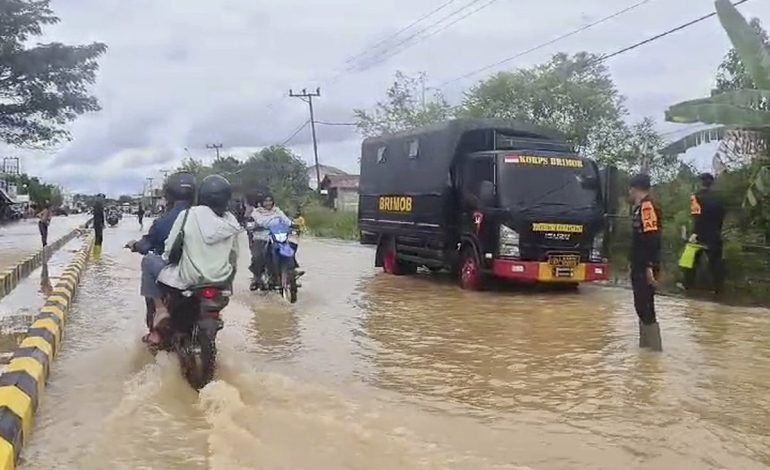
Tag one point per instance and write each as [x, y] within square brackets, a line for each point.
[484, 198]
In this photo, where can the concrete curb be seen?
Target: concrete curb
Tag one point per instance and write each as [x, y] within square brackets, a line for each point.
[11, 278]
[23, 380]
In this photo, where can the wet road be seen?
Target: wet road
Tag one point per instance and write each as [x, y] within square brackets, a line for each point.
[376, 372]
[19, 239]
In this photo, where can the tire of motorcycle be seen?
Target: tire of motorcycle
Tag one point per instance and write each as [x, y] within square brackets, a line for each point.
[289, 284]
[198, 368]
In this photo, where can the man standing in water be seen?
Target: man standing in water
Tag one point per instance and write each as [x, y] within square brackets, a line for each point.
[140, 216]
[44, 222]
[645, 260]
[708, 214]
[98, 220]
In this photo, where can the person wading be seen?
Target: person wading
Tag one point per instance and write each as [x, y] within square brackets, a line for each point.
[645, 260]
[44, 222]
[98, 220]
[708, 214]
[140, 216]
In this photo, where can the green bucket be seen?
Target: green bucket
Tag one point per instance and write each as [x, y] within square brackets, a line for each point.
[687, 260]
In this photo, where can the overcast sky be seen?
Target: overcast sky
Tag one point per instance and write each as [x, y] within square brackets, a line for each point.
[183, 73]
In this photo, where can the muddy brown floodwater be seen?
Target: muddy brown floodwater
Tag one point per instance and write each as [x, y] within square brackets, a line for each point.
[376, 372]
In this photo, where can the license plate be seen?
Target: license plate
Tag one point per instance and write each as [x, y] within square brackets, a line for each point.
[563, 273]
[565, 261]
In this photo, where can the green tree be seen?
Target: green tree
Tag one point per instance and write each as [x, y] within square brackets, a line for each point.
[280, 171]
[744, 109]
[39, 192]
[44, 86]
[196, 167]
[572, 94]
[405, 107]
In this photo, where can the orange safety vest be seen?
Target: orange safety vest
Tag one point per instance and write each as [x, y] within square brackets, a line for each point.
[695, 208]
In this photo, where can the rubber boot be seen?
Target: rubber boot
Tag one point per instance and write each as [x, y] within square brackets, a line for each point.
[643, 343]
[652, 337]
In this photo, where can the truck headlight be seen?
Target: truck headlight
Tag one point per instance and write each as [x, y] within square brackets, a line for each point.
[596, 248]
[509, 242]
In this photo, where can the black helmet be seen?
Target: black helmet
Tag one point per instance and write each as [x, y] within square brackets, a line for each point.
[215, 192]
[179, 187]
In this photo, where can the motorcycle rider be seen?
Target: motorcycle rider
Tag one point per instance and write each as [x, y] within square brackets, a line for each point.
[209, 239]
[263, 215]
[179, 192]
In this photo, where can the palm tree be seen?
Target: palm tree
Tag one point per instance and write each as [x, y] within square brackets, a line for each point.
[741, 116]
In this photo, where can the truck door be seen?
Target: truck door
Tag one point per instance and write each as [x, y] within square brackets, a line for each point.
[477, 168]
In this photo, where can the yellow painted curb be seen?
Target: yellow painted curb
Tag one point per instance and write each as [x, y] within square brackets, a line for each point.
[23, 379]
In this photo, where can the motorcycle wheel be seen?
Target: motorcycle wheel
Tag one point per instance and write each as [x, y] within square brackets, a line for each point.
[200, 361]
[289, 285]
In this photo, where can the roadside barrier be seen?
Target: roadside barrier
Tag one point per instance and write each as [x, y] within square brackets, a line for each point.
[23, 379]
[11, 278]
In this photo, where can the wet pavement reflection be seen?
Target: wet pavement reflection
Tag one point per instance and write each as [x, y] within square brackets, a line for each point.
[22, 238]
[376, 372]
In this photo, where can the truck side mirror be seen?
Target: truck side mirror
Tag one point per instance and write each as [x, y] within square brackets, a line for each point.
[609, 181]
[487, 193]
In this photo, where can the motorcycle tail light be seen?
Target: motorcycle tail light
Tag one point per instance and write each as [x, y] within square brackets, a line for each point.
[209, 293]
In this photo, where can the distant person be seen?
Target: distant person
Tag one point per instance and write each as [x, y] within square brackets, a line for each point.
[708, 214]
[645, 260]
[299, 221]
[98, 219]
[264, 214]
[140, 216]
[45, 216]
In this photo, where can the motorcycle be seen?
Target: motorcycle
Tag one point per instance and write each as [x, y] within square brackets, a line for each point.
[280, 271]
[195, 318]
[112, 219]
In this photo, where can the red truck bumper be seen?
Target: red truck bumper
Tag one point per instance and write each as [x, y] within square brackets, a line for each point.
[535, 271]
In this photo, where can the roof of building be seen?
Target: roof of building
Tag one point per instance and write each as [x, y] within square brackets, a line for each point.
[326, 170]
[340, 181]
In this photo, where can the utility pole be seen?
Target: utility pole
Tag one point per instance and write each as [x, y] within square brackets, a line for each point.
[309, 96]
[215, 147]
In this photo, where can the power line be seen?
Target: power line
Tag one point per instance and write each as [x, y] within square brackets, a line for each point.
[294, 134]
[447, 26]
[547, 43]
[657, 36]
[402, 30]
[325, 123]
[387, 54]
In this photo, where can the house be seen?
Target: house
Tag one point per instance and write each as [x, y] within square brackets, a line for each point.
[340, 192]
[325, 170]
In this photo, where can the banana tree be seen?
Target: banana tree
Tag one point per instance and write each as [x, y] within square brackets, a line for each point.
[742, 116]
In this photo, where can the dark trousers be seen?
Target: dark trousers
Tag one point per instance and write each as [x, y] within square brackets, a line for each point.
[713, 253]
[99, 232]
[43, 232]
[258, 257]
[644, 297]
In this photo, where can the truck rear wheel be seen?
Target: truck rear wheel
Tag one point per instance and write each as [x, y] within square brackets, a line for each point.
[471, 276]
[391, 264]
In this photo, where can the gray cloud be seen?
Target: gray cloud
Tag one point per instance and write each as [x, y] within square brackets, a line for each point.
[183, 76]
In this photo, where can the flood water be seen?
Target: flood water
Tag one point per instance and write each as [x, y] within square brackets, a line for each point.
[375, 372]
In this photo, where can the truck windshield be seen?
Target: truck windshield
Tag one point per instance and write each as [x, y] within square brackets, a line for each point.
[558, 182]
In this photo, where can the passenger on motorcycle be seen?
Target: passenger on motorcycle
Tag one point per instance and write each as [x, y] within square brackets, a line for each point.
[209, 240]
[179, 192]
[263, 215]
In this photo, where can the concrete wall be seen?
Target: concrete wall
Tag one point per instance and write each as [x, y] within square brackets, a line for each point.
[347, 200]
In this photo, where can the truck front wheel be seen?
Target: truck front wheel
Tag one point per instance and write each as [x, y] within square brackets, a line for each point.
[471, 276]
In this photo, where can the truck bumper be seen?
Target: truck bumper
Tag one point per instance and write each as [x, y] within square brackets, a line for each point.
[535, 271]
